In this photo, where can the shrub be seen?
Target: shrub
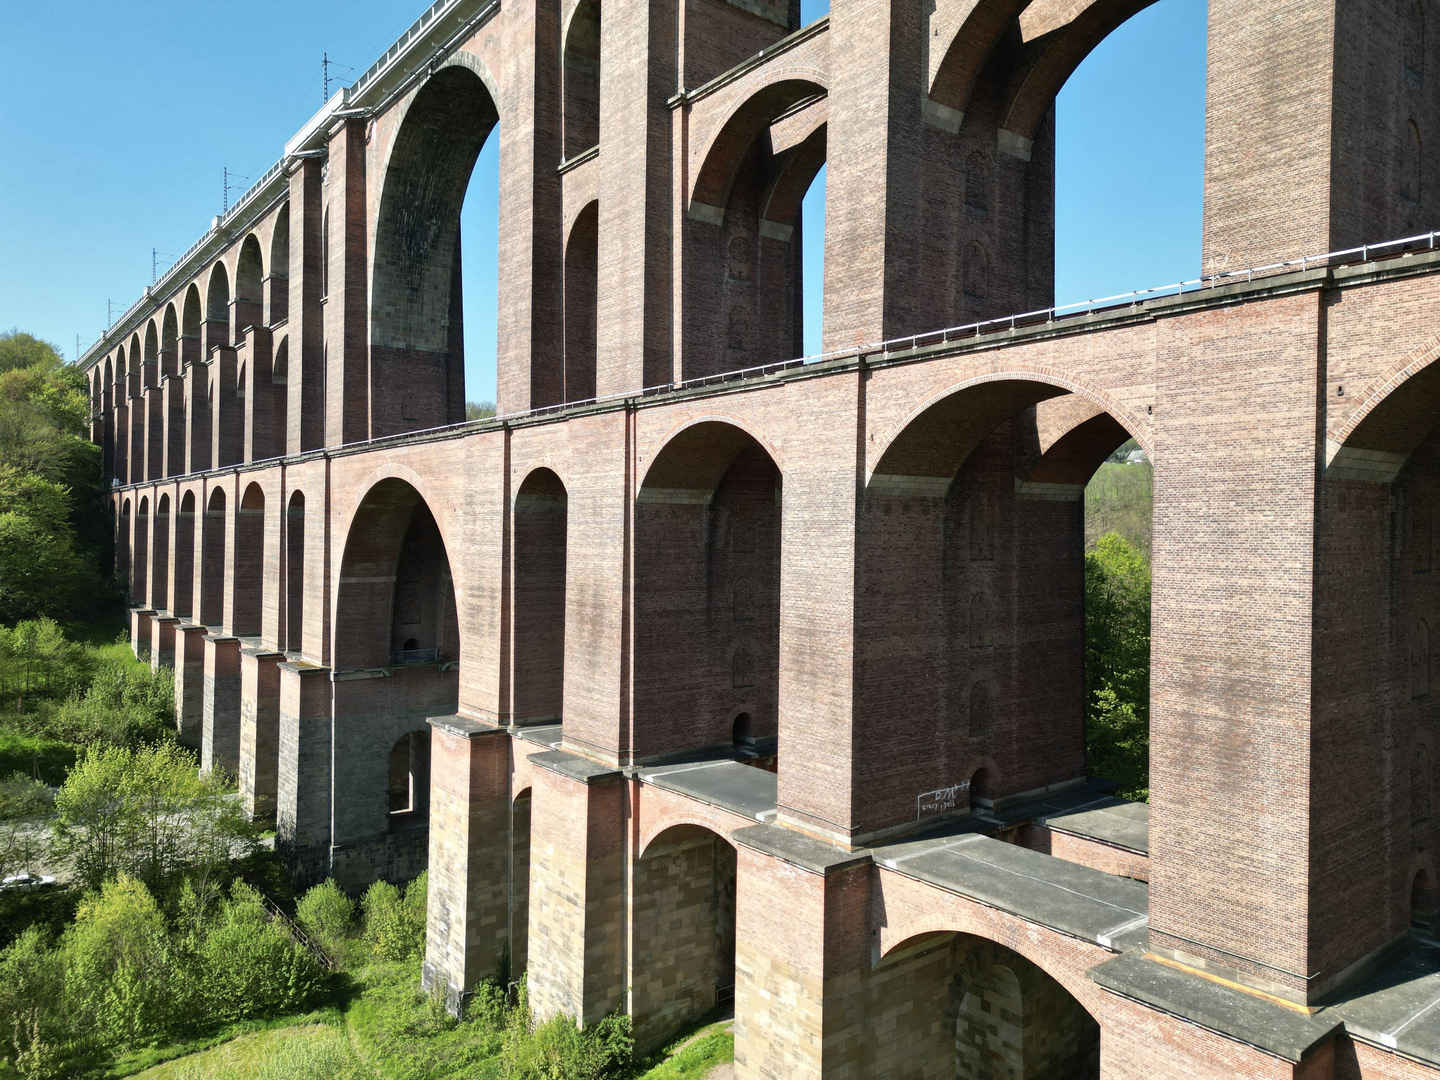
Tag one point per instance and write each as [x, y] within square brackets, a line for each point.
[328, 916]
[120, 965]
[250, 967]
[40, 1035]
[394, 928]
[559, 1049]
[125, 704]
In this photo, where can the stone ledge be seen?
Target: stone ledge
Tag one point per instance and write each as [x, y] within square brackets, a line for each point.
[575, 767]
[1285, 1033]
[797, 849]
[464, 727]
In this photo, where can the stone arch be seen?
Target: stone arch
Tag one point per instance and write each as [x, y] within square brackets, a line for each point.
[742, 231]
[582, 291]
[248, 601]
[160, 554]
[540, 523]
[135, 354]
[395, 583]
[1424, 895]
[217, 294]
[140, 555]
[416, 331]
[684, 928]
[580, 72]
[970, 554]
[151, 354]
[410, 781]
[249, 285]
[192, 316]
[280, 244]
[707, 515]
[294, 635]
[182, 602]
[169, 341]
[212, 559]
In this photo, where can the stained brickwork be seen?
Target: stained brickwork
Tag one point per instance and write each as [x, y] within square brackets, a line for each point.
[874, 560]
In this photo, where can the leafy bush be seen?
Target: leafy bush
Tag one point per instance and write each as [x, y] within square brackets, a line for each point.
[147, 812]
[328, 916]
[559, 1049]
[39, 1036]
[395, 922]
[120, 965]
[249, 966]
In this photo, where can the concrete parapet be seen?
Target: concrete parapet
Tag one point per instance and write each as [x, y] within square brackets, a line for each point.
[259, 731]
[220, 731]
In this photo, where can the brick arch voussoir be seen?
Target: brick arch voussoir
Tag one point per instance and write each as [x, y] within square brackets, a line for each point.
[742, 125]
[804, 162]
[964, 920]
[745, 427]
[654, 833]
[1127, 419]
[969, 46]
[1383, 388]
[444, 516]
[1049, 60]
[569, 225]
[522, 473]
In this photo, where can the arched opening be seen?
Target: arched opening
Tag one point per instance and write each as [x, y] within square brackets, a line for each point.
[295, 574]
[249, 600]
[135, 391]
[182, 606]
[684, 931]
[216, 331]
[212, 560]
[122, 549]
[410, 781]
[582, 292]
[249, 287]
[540, 524]
[277, 282]
[745, 232]
[169, 342]
[139, 574]
[395, 667]
[581, 74]
[742, 738]
[160, 556]
[1424, 901]
[707, 616]
[971, 566]
[1000, 1016]
[417, 338]
[280, 399]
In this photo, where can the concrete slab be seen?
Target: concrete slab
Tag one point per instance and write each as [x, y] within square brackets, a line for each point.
[741, 789]
[541, 734]
[1087, 904]
[1398, 1007]
[1286, 1033]
[1108, 820]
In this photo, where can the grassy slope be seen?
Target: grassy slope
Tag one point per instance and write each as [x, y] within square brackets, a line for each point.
[385, 1031]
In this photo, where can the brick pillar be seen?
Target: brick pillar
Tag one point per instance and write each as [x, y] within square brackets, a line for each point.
[302, 810]
[197, 409]
[190, 682]
[467, 921]
[347, 337]
[154, 427]
[257, 355]
[220, 732]
[259, 731]
[162, 641]
[140, 632]
[577, 866]
[802, 957]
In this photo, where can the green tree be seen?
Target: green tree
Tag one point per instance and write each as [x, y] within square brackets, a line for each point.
[328, 916]
[1117, 664]
[248, 964]
[40, 570]
[479, 410]
[146, 812]
[43, 1035]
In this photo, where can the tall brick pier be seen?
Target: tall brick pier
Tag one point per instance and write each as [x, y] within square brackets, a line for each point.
[705, 673]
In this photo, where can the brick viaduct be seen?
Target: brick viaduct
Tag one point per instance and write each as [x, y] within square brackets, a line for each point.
[702, 670]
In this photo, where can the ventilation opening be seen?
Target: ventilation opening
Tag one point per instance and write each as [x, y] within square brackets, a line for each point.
[410, 781]
[982, 790]
[743, 738]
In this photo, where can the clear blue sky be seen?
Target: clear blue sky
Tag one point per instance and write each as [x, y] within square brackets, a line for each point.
[116, 120]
